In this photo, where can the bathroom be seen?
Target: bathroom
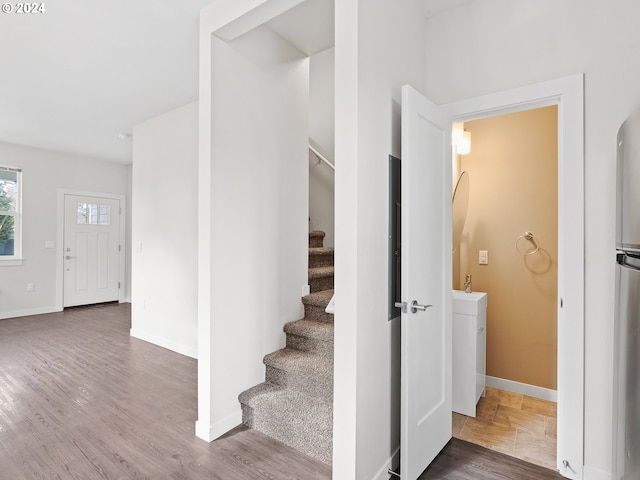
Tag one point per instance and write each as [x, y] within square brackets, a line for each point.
[508, 244]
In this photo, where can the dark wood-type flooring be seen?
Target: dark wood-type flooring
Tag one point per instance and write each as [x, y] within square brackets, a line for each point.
[461, 460]
[80, 399]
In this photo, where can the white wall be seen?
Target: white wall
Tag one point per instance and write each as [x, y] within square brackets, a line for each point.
[253, 219]
[44, 173]
[495, 45]
[127, 239]
[322, 132]
[164, 230]
[379, 47]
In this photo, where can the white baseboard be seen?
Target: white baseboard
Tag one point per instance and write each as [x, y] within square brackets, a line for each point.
[522, 388]
[28, 312]
[211, 432]
[591, 473]
[203, 431]
[164, 343]
[392, 463]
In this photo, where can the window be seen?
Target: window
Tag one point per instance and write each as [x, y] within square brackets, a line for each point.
[10, 215]
[92, 214]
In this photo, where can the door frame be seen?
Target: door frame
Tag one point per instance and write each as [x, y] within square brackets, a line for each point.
[60, 242]
[568, 94]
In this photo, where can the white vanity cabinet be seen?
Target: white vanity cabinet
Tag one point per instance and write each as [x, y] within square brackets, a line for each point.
[469, 350]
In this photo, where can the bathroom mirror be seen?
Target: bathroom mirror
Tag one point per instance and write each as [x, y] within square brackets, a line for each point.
[460, 204]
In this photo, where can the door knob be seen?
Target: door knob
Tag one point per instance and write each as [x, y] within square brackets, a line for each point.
[415, 306]
[69, 257]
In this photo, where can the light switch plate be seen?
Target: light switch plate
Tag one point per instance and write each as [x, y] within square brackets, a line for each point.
[483, 257]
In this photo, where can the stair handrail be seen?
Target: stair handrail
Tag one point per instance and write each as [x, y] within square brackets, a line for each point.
[320, 157]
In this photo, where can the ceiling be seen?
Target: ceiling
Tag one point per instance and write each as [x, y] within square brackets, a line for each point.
[308, 26]
[76, 77]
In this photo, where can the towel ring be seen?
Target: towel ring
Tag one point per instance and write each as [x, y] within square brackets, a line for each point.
[527, 236]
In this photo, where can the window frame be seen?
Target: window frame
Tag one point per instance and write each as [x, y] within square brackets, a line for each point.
[16, 258]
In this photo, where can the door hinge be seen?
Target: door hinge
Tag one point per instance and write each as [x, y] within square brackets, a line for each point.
[119, 248]
[118, 285]
[120, 211]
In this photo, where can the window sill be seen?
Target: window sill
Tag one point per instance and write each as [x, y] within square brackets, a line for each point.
[10, 262]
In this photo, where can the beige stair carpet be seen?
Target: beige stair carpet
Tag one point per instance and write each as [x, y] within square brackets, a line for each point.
[295, 402]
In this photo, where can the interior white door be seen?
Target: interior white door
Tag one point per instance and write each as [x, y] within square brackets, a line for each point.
[91, 249]
[426, 362]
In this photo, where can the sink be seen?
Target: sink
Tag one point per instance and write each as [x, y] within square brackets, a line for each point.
[469, 303]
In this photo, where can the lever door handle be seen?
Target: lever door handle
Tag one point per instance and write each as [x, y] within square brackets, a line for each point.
[69, 257]
[415, 306]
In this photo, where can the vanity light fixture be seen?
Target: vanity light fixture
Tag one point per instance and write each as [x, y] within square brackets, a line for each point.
[460, 139]
[464, 146]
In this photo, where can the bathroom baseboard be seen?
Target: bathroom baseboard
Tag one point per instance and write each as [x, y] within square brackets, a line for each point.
[522, 388]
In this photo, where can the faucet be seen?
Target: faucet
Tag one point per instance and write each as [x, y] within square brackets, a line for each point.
[467, 284]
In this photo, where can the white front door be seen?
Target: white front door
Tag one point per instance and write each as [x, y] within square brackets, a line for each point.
[91, 249]
[426, 281]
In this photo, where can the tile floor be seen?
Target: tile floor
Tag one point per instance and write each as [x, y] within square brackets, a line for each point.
[518, 425]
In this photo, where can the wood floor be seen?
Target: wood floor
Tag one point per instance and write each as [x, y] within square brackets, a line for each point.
[461, 460]
[80, 399]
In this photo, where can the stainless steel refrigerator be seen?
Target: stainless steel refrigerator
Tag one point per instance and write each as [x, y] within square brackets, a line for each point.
[626, 444]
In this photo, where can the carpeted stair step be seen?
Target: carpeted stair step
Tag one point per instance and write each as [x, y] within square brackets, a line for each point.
[320, 257]
[298, 420]
[295, 403]
[321, 278]
[316, 238]
[304, 372]
[314, 305]
[310, 336]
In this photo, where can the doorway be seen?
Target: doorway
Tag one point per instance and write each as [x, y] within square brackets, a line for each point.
[568, 94]
[509, 246]
[90, 248]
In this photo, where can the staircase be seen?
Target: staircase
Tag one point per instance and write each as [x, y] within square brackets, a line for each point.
[295, 403]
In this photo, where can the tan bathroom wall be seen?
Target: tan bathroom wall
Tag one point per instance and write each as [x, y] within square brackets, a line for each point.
[513, 174]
